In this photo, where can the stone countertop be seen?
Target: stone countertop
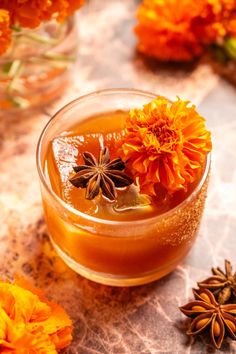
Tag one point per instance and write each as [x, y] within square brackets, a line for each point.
[108, 320]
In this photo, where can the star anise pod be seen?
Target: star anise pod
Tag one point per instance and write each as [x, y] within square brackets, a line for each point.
[208, 315]
[100, 174]
[223, 285]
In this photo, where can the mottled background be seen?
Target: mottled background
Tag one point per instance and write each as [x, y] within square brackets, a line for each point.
[145, 319]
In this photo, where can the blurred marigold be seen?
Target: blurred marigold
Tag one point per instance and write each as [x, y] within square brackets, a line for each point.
[31, 13]
[165, 144]
[5, 32]
[179, 30]
[29, 323]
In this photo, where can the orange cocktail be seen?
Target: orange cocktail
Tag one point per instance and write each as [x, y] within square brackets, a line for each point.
[132, 239]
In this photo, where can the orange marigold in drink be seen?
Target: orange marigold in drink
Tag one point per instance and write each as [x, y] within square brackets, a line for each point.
[180, 30]
[165, 145]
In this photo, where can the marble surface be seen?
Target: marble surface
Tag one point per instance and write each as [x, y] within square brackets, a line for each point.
[107, 320]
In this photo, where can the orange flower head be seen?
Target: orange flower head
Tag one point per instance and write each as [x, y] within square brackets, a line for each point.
[179, 30]
[165, 145]
[29, 323]
[5, 32]
[26, 13]
[31, 13]
[74, 5]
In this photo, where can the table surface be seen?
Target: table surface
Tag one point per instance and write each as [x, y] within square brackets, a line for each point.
[145, 319]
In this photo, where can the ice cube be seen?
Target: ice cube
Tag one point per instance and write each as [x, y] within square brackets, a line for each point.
[68, 149]
[65, 152]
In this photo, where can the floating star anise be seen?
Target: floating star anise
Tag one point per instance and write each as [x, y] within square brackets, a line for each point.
[223, 285]
[208, 315]
[100, 174]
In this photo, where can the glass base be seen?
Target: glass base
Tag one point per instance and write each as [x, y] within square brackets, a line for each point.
[111, 279]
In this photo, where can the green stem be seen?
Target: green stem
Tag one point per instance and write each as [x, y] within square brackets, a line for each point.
[14, 68]
[34, 36]
[14, 74]
[16, 28]
[18, 101]
[40, 39]
[58, 57]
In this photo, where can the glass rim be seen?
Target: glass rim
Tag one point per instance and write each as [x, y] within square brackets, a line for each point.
[91, 218]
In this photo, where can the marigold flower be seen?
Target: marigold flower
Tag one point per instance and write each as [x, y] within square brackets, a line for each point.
[5, 32]
[29, 323]
[61, 9]
[30, 13]
[26, 13]
[179, 30]
[165, 144]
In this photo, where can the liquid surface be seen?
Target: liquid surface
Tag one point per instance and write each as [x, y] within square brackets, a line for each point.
[93, 134]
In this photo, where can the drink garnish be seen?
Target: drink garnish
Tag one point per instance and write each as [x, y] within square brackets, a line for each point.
[165, 145]
[100, 174]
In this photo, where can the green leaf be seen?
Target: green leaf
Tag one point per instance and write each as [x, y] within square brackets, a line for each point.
[230, 47]
[16, 28]
[18, 101]
[220, 54]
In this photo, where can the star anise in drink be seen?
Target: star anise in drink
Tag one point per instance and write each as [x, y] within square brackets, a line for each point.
[223, 285]
[100, 175]
[211, 317]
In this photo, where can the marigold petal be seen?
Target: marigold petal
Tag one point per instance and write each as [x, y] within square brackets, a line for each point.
[5, 31]
[31, 323]
[62, 338]
[7, 302]
[57, 320]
